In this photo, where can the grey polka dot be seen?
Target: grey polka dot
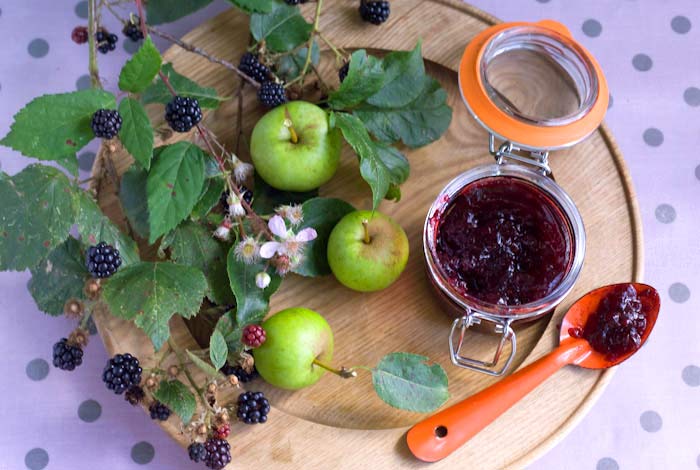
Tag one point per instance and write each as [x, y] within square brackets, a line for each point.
[679, 292]
[36, 459]
[606, 463]
[610, 101]
[542, 1]
[642, 62]
[697, 172]
[697, 461]
[692, 96]
[85, 160]
[38, 48]
[651, 421]
[89, 411]
[592, 28]
[665, 213]
[680, 24]
[653, 137]
[83, 82]
[691, 376]
[130, 46]
[81, 9]
[37, 369]
[142, 453]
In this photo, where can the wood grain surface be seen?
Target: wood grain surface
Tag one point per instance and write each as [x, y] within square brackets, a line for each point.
[341, 424]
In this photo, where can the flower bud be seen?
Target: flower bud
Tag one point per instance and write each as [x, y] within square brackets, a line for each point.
[262, 280]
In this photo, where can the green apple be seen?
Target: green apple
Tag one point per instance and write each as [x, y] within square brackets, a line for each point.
[293, 148]
[295, 338]
[367, 251]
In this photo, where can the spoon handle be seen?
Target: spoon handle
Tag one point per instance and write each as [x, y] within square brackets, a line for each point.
[441, 434]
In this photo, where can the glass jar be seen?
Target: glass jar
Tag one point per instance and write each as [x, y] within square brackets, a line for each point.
[534, 89]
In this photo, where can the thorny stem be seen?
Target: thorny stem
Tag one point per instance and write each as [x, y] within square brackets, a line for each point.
[92, 30]
[342, 372]
[335, 50]
[193, 384]
[163, 355]
[309, 45]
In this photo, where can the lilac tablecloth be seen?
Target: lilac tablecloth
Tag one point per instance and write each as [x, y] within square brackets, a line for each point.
[649, 416]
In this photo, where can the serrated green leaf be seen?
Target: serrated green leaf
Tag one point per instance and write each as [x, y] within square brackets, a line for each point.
[151, 293]
[166, 11]
[136, 133]
[174, 185]
[214, 187]
[404, 78]
[59, 277]
[365, 77]
[95, 227]
[70, 164]
[231, 332]
[37, 214]
[252, 303]
[418, 123]
[141, 69]
[408, 382]
[290, 65]
[266, 198]
[283, 28]
[218, 350]
[395, 162]
[53, 126]
[176, 396]
[322, 214]
[134, 199]
[159, 93]
[202, 365]
[253, 6]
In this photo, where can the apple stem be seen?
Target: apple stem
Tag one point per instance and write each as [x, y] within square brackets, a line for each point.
[368, 239]
[342, 372]
[290, 125]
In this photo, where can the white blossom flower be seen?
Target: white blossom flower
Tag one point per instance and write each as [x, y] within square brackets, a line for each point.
[223, 231]
[242, 171]
[288, 243]
[262, 280]
[248, 250]
[293, 213]
[235, 208]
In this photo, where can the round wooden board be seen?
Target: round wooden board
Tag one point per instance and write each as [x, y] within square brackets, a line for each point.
[337, 424]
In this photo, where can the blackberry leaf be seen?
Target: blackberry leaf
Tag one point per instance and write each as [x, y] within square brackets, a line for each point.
[166, 11]
[136, 133]
[134, 199]
[159, 93]
[283, 28]
[141, 69]
[365, 77]
[218, 350]
[253, 6]
[226, 325]
[203, 365]
[252, 303]
[210, 196]
[289, 66]
[176, 396]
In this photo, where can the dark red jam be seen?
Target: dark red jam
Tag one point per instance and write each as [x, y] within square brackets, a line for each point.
[504, 241]
[619, 323]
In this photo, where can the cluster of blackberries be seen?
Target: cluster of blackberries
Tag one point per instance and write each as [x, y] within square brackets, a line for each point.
[240, 373]
[102, 260]
[251, 66]
[375, 12]
[159, 411]
[122, 372]
[67, 356]
[106, 41]
[183, 113]
[272, 94]
[106, 123]
[253, 407]
[132, 30]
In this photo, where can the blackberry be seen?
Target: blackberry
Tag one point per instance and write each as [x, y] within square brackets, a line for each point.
[134, 395]
[121, 372]
[295, 2]
[102, 260]
[375, 12]
[132, 31]
[272, 94]
[106, 123]
[253, 407]
[159, 411]
[197, 451]
[240, 373]
[106, 41]
[67, 356]
[79, 35]
[253, 336]
[183, 113]
[218, 453]
[343, 71]
[251, 66]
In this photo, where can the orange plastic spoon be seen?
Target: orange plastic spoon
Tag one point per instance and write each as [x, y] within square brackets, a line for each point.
[438, 436]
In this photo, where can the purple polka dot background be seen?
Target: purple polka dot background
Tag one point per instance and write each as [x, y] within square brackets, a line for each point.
[647, 418]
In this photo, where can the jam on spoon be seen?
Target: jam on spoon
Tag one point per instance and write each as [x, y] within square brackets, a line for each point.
[504, 241]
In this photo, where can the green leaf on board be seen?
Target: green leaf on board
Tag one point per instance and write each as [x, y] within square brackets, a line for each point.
[139, 71]
[218, 349]
[174, 185]
[266, 198]
[166, 11]
[230, 330]
[203, 365]
[408, 382]
[36, 216]
[214, 187]
[134, 199]
[59, 277]
[253, 6]
[95, 227]
[252, 303]
[157, 92]
[404, 76]
[151, 293]
[322, 214]
[136, 133]
[283, 28]
[178, 397]
[52, 126]
[365, 77]
[290, 65]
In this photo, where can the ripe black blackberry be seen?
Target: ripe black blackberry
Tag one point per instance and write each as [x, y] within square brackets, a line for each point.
[375, 12]
[343, 71]
[102, 260]
[159, 411]
[240, 373]
[183, 113]
[67, 356]
[134, 395]
[121, 372]
[251, 66]
[106, 123]
[295, 2]
[272, 94]
[253, 407]
[106, 41]
[197, 451]
[218, 453]
[132, 31]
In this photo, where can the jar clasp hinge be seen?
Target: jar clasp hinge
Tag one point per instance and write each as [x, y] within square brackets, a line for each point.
[457, 336]
[509, 151]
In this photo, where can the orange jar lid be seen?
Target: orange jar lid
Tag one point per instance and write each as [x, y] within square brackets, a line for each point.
[533, 85]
